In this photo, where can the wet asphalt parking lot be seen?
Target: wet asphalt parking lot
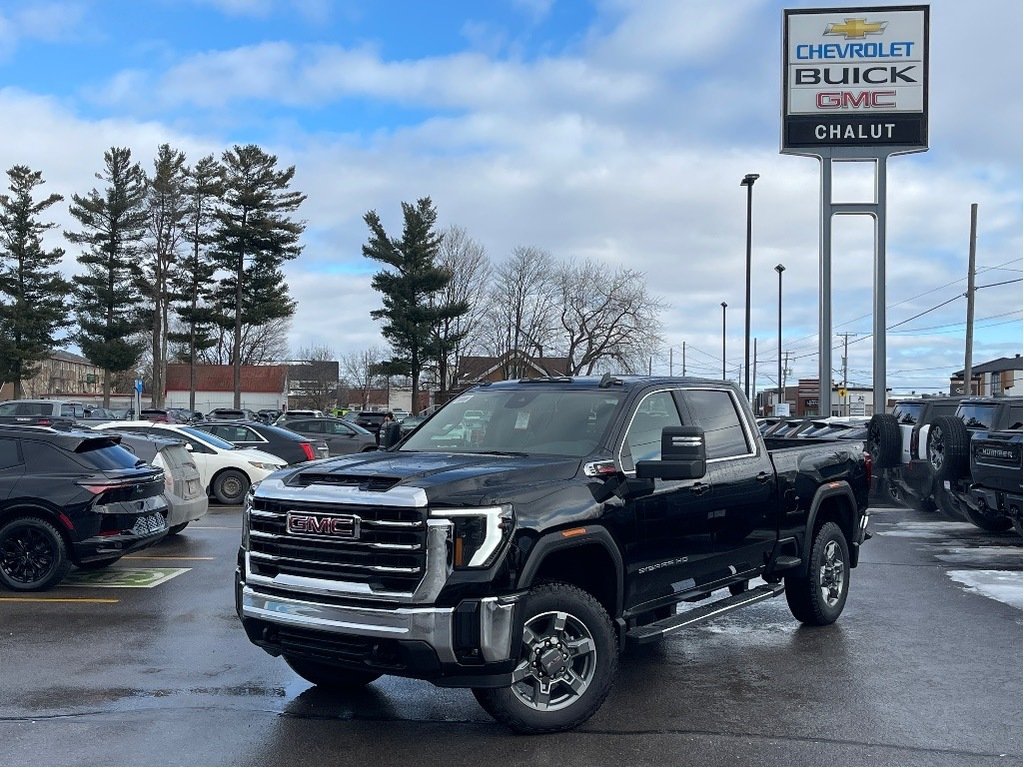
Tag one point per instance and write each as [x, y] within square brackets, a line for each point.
[148, 665]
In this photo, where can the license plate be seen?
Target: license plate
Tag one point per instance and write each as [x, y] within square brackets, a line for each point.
[193, 487]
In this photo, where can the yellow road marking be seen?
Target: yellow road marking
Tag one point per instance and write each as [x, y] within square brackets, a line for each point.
[59, 600]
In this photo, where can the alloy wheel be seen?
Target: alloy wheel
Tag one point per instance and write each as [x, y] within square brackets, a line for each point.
[559, 659]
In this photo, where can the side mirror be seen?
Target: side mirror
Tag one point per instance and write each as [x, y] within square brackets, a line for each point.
[683, 456]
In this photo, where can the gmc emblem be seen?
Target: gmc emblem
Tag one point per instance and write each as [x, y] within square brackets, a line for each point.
[310, 524]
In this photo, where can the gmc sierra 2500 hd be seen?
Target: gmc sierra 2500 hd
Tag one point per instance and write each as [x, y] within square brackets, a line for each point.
[520, 537]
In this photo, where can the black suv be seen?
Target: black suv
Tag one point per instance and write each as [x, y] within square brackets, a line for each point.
[72, 497]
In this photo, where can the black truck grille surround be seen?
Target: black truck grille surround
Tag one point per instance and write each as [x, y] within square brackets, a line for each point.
[389, 553]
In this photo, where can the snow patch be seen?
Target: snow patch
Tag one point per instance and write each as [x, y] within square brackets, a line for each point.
[939, 529]
[1005, 586]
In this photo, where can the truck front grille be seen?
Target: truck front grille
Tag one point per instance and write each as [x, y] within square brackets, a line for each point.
[388, 552]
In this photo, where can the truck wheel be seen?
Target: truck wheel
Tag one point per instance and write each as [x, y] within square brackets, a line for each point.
[949, 446]
[987, 522]
[948, 506]
[884, 442]
[818, 597]
[328, 676]
[33, 555]
[230, 486]
[568, 656]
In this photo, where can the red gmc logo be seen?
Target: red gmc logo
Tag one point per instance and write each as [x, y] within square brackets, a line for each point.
[309, 524]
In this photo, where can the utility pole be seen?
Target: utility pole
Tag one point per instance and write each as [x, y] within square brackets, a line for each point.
[753, 376]
[969, 347]
[846, 346]
[684, 358]
[785, 372]
[670, 351]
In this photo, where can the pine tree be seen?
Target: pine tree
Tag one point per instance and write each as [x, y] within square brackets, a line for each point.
[166, 204]
[193, 280]
[33, 294]
[108, 300]
[410, 289]
[254, 235]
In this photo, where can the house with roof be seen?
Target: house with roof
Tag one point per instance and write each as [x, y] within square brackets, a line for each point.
[995, 378]
[263, 387]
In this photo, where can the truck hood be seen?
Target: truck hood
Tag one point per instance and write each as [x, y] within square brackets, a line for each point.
[456, 478]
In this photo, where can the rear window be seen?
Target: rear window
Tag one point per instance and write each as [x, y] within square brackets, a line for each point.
[106, 456]
[978, 415]
[908, 413]
[26, 409]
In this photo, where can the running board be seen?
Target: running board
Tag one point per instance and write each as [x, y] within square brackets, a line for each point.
[649, 633]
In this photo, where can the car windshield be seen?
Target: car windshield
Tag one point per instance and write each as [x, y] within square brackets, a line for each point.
[208, 438]
[519, 421]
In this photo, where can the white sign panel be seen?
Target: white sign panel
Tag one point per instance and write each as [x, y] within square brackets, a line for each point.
[855, 77]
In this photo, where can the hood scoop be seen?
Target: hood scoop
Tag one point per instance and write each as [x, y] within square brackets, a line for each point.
[362, 482]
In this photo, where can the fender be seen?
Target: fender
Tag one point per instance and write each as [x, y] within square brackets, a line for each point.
[839, 488]
[555, 541]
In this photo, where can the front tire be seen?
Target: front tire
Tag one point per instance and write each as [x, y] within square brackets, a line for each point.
[567, 659]
[33, 556]
[819, 596]
[230, 486]
[328, 676]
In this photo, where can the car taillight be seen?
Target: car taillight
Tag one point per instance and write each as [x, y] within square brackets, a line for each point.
[915, 439]
[307, 448]
[869, 466]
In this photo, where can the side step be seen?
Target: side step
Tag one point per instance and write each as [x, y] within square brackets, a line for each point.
[649, 633]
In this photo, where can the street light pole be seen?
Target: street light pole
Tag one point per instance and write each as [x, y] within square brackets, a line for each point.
[780, 269]
[724, 305]
[748, 182]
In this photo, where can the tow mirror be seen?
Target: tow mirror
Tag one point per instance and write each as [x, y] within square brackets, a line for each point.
[683, 456]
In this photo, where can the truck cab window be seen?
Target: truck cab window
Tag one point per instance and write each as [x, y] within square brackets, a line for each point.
[643, 438]
[715, 412]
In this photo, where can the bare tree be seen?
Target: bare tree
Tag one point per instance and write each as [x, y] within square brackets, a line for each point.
[466, 261]
[261, 344]
[316, 377]
[606, 317]
[361, 370]
[522, 311]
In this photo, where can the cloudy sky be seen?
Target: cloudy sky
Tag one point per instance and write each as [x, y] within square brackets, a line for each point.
[613, 129]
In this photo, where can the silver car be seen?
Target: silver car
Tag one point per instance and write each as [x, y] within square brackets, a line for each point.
[183, 486]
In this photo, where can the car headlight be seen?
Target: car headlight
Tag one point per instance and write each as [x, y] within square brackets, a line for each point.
[265, 465]
[478, 533]
[246, 510]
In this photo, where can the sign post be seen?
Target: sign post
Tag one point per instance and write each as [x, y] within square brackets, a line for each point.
[855, 88]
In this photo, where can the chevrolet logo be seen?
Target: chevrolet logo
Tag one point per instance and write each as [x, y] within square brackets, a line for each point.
[856, 28]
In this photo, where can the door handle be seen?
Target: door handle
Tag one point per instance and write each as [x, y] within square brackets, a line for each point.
[699, 489]
[763, 477]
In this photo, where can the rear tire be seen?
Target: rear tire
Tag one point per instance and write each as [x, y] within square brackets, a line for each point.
[819, 596]
[987, 522]
[230, 486]
[33, 556]
[328, 676]
[949, 446]
[884, 442]
[567, 658]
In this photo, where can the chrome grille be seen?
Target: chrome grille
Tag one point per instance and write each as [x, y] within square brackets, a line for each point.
[390, 553]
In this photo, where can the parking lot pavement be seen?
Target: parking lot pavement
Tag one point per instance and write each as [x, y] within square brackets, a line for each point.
[148, 666]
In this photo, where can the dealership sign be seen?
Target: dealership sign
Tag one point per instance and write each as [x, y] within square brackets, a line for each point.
[855, 77]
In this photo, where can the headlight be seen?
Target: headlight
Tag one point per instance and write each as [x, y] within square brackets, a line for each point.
[265, 465]
[478, 533]
[246, 509]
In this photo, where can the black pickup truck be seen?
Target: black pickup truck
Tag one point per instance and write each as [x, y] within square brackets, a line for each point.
[519, 538]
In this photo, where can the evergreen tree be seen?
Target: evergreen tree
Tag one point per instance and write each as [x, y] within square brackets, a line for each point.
[254, 235]
[193, 281]
[411, 289]
[108, 300]
[33, 305]
[167, 208]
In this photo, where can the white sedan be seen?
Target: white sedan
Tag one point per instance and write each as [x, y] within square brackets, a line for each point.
[226, 471]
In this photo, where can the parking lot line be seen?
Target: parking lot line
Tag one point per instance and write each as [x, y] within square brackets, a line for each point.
[59, 600]
[164, 557]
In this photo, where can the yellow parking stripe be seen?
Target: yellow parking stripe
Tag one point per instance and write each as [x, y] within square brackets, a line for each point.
[59, 600]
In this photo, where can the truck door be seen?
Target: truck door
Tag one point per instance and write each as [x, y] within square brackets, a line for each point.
[744, 519]
[673, 523]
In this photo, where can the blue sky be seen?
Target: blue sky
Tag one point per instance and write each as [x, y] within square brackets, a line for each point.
[612, 129]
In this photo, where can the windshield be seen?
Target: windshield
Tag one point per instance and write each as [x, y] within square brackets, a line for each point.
[553, 422]
[209, 438]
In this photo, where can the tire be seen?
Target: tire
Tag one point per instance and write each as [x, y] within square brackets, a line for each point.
[819, 596]
[949, 446]
[567, 657]
[95, 565]
[230, 486]
[948, 506]
[328, 676]
[987, 522]
[902, 499]
[884, 442]
[174, 530]
[33, 555]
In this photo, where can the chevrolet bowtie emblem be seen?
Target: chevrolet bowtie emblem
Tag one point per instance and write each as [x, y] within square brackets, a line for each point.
[856, 28]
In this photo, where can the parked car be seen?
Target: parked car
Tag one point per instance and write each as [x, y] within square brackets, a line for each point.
[268, 415]
[996, 476]
[72, 497]
[409, 423]
[341, 436]
[164, 415]
[297, 413]
[183, 486]
[371, 421]
[41, 413]
[233, 414]
[226, 471]
[288, 445]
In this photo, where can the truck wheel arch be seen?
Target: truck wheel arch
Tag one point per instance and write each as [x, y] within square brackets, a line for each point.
[555, 549]
[832, 501]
